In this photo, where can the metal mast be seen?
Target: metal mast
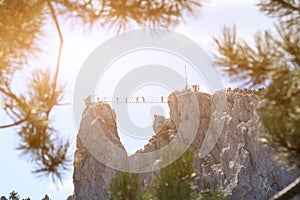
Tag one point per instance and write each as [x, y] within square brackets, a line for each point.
[186, 80]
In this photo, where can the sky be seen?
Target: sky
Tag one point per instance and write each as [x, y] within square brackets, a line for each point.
[15, 173]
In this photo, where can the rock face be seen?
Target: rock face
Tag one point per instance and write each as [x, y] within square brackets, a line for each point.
[91, 177]
[238, 163]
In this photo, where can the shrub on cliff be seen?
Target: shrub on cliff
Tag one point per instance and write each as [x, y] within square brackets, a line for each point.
[126, 186]
[176, 181]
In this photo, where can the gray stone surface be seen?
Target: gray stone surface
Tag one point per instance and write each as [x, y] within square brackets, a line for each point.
[238, 163]
[91, 177]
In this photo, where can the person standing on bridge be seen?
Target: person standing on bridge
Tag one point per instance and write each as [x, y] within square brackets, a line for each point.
[162, 99]
[137, 99]
[143, 99]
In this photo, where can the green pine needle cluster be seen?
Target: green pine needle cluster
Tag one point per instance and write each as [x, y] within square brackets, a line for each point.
[272, 61]
[176, 181]
[22, 25]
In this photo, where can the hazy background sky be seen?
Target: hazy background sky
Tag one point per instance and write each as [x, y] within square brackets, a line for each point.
[15, 173]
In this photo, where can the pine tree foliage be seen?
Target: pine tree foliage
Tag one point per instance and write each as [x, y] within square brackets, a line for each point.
[20, 27]
[285, 10]
[21, 32]
[13, 196]
[21, 24]
[280, 114]
[177, 180]
[274, 60]
[126, 186]
[254, 64]
[124, 13]
[46, 197]
[245, 63]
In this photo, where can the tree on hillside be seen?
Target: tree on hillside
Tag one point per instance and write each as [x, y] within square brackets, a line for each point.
[21, 32]
[46, 197]
[13, 196]
[273, 61]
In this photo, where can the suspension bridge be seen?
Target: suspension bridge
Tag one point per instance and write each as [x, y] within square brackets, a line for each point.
[91, 99]
[117, 100]
[139, 99]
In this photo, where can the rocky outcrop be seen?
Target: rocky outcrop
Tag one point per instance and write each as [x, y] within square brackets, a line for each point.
[238, 162]
[228, 127]
[91, 176]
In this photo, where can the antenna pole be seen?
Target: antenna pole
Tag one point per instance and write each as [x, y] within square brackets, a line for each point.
[186, 80]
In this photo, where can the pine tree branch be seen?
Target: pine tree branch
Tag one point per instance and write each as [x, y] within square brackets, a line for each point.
[288, 5]
[13, 113]
[289, 191]
[279, 8]
[13, 124]
[11, 95]
[53, 14]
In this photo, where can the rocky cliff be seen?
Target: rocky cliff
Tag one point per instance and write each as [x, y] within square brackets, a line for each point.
[92, 177]
[228, 128]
